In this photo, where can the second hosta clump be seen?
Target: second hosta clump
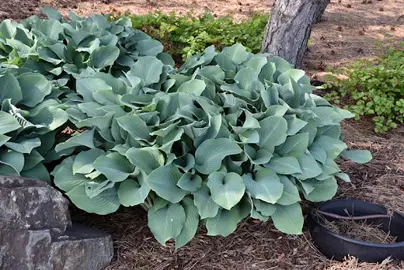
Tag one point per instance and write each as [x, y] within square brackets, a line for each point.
[230, 135]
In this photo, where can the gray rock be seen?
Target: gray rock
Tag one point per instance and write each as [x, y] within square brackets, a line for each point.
[31, 204]
[79, 248]
[25, 249]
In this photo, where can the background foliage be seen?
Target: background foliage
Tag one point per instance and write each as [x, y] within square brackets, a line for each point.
[186, 35]
[373, 88]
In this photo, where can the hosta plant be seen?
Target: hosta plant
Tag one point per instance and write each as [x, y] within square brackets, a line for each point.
[63, 49]
[227, 136]
[30, 116]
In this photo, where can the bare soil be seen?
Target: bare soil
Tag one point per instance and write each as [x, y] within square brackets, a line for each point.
[350, 29]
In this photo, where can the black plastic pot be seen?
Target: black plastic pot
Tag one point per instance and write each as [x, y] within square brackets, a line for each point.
[335, 246]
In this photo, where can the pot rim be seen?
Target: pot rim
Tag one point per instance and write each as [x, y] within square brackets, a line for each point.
[352, 240]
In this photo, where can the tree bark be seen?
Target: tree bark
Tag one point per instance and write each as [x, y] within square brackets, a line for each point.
[289, 27]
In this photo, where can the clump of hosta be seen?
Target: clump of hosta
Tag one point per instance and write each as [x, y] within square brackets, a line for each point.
[30, 116]
[63, 49]
[231, 135]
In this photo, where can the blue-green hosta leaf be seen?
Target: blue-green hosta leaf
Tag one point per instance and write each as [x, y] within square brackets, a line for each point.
[51, 116]
[10, 88]
[190, 182]
[289, 218]
[213, 73]
[97, 185]
[190, 225]
[167, 222]
[7, 29]
[149, 47]
[83, 163]
[358, 156]
[323, 190]
[226, 189]
[210, 154]
[34, 88]
[245, 78]
[318, 153]
[13, 159]
[101, 122]
[51, 13]
[104, 56]
[331, 115]
[344, 177]
[203, 200]
[225, 222]
[266, 209]
[294, 145]
[309, 166]
[4, 139]
[290, 193]
[135, 126]
[86, 87]
[262, 156]
[114, 166]
[270, 96]
[37, 172]
[236, 53]
[333, 147]
[7, 123]
[257, 62]
[22, 49]
[25, 146]
[273, 132]
[294, 124]
[164, 181]
[64, 178]
[130, 193]
[146, 159]
[31, 160]
[86, 138]
[266, 186]
[50, 28]
[147, 68]
[166, 59]
[284, 165]
[194, 86]
[104, 203]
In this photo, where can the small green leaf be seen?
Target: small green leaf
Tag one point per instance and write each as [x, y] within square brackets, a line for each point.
[358, 156]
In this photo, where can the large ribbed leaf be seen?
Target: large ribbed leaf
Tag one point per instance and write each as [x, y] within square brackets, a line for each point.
[34, 88]
[203, 200]
[288, 218]
[7, 123]
[191, 223]
[84, 161]
[167, 222]
[273, 132]
[164, 181]
[145, 159]
[24, 146]
[114, 166]
[130, 193]
[104, 203]
[226, 189]
[148, 69]
[210, 153]
[266, 186]
[104, 56]
[10, 88]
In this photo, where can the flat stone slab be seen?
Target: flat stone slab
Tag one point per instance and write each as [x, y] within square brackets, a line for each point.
[32, 205]
[82, 248]
[79, 248]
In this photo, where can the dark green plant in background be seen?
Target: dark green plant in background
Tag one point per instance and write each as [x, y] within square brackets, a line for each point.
[188, 34]
[373, 88]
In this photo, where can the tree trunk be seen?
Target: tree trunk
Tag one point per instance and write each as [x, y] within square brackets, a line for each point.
[288, 29]
[320, 11]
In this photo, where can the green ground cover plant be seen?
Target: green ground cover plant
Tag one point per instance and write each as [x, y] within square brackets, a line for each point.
[229, 135]
[185, 35]
[373, 88]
